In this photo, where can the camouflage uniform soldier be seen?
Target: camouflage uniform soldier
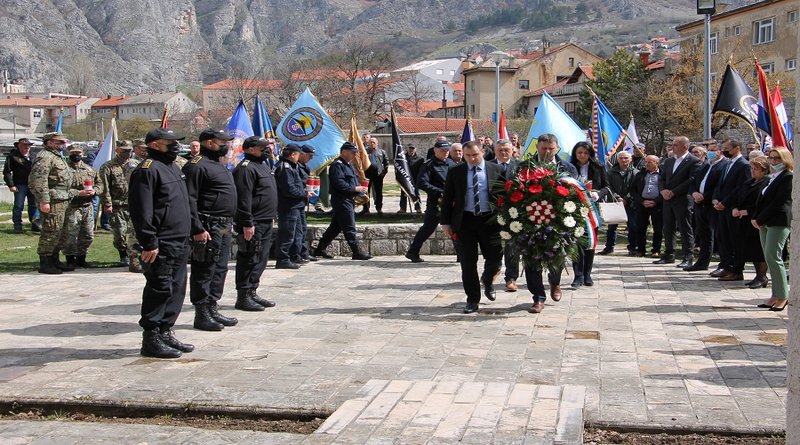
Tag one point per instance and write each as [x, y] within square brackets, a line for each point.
[50, 181]
[78, 232]
[115, 176]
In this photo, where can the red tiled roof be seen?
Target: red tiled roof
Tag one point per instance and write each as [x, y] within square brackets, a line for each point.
[230, 84]
[42, 102]
[456, 86]
[109, 101]
[423, 106]
[409, 124]
[656, 65]
[588, 71]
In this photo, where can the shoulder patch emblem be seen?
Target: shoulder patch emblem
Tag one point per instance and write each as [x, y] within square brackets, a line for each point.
[245, 162]
[196, 159]
[147, 163]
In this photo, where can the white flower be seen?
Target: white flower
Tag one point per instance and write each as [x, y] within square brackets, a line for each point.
[537, 213]
[505, 235]
[513, 213]
[528, 208]
[501, 220]
[533, 218]
[548, 211]
[570, 206]
[569, 221]
[579, 231]
[584, 212]
[515, 226]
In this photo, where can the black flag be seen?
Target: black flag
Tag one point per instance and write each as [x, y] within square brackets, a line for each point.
[735, 97]
[402, 172]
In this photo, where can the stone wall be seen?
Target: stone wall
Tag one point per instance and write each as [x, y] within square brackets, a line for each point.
[384, 240]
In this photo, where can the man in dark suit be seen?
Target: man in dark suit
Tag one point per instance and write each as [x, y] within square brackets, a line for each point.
[735, 173]
[467, 214]
[702, 189]
[676, 174]
[648, 203]
[504, 150]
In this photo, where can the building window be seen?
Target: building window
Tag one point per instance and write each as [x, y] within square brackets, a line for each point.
[768, 68]
[37, 113]
[472, 109]
[572, 62]
[791, 64]
[713, 42]
[452, 72]
[727, 31]
[570, 107]
[763, 31]
[439, 71]
[472, 85]
[524, 85]
[793, 16]
[737, 30]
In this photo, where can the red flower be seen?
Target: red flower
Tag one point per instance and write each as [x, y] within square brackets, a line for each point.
[535, 188]
[541, 173]
[552, 183]
[525, 174]
[507, 185]
[516, 197]
[500, 200]
[561, 190]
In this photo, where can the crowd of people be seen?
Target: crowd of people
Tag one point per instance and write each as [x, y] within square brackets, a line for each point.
[167, 211]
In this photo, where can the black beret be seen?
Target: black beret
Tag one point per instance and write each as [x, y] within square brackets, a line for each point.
[307, 149]
[161, 133]
[349, 146]
[254, 141]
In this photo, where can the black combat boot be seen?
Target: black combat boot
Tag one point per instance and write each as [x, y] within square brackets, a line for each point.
[80, 261]
[154, 346]
[57, 262]
[71, 261]
[46, 265]
[322, 253]
[262, 301]
[359, 254]
[123, 258]
[244, 301]
[168, 337]
[203, 319]
[221, 319]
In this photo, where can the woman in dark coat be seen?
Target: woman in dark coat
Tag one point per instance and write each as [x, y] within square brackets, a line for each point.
[593, 175]
[744, 208]
[773, 219]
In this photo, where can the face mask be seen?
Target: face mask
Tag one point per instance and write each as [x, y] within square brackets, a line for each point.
[165, 157]
[213, 155]
[223, 148]
[173, 147]
[727, 154]
[75, 158]
[777, 167]
[712, 156]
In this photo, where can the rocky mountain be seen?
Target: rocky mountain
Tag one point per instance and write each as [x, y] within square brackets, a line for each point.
[124, 47]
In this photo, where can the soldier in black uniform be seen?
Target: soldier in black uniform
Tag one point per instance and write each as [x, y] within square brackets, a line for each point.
[344, 187]
[212, 200]
[302, 246]
[431, 179]
[292, 197]
[257, 203]
[159, 208]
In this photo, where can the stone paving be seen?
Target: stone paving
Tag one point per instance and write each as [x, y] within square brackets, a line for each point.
[650, 344]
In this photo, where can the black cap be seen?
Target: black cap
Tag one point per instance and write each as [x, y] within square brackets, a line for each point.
[307, 149]
[291, 148]
[254, 141]
[25, 141]
[349, 146]
[210, 133]
[442, 144]
[161, 133]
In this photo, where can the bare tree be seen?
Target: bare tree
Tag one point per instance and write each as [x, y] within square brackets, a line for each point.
[416, 87]
[80, 74]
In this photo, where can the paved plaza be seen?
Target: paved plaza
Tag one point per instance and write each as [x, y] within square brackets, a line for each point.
[383, 345]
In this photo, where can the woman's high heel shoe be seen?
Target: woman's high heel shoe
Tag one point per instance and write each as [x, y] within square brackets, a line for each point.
[776, 308]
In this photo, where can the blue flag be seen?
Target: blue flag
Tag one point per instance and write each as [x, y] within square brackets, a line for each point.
[261, 123]
[239, 127]
[60, 122]
[308, 123]
[550, 118]
[467, 134]
[607, 133]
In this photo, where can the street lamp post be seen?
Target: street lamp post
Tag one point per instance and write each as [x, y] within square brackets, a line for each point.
[706, 8]
[498, 57]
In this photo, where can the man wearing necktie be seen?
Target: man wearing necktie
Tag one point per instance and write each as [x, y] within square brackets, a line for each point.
[467, 214]
[503, 152]
[724, 199]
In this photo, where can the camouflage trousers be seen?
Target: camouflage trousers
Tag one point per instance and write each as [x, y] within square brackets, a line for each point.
[78, 232]
[124, 235]
[52, 226]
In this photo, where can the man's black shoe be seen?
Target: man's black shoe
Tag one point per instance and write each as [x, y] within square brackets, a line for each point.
[18, 230]
[221, 319]
[695, 267]
[262, 301]
[665, 260]
[470, 308]
[168, 337]
[286, 265]
[35, 228]
[489, 292]
[359, 255]
[414, 258]
[606, 251]
[311, 258]
[203, 319]
[322, 253]
[153, 345]
[245, 301]
[684, 263]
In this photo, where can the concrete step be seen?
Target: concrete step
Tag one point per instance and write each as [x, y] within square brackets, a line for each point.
[445, 412]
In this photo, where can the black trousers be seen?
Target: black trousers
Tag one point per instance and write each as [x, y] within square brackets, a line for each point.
[730, 247]
[208, 274]
[290, 226]
[375, 190]
[429, 224]
[300, 243]
[511, 260]
[533, 278]
[405, 202]
[705, 220]
[343, 220]
[644, 218]
[252, 256]
[677, 215]
[165, 288]
[478, 231]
